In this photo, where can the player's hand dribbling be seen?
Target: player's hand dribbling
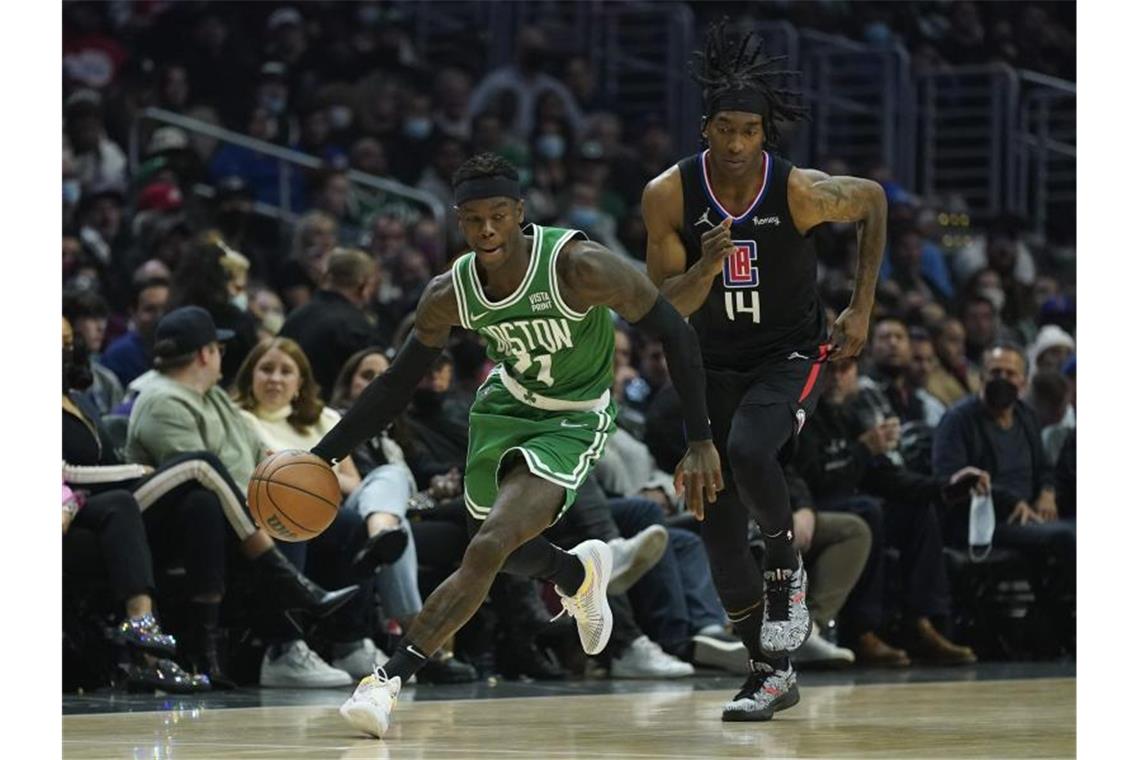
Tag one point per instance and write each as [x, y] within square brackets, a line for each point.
[849, 334]
[698, 476]
[716, 244]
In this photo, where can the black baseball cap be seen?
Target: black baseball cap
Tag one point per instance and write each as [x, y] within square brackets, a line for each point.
[183, 331]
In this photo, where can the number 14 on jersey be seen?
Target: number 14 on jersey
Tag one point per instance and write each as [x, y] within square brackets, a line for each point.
[741, 302]
[740, 280]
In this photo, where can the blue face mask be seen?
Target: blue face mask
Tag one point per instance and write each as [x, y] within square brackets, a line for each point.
[583, 217]
[417, 127]
[551, 147]
[275, 104]
[71, 191]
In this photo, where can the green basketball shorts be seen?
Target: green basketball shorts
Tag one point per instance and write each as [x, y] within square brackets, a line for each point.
[559, 446]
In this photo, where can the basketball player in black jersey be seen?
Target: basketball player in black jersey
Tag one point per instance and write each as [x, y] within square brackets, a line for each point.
[729, 246]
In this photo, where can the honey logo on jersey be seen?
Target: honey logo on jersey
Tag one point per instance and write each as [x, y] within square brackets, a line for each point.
[740, 266]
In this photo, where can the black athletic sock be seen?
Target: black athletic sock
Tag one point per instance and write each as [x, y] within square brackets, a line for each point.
[569, 574]
[747, 624]
[779, 551]
[406, 661]
[538, 558]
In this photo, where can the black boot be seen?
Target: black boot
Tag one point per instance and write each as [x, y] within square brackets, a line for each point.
[204, 646]
[521, 658]
[292, 591]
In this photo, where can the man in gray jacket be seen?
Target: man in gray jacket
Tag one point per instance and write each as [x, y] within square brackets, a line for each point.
[183, 410]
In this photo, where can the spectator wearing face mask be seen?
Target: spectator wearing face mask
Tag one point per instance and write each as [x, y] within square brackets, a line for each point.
[1000, 434]
[202, 280]
[266, 307]
[524, 81]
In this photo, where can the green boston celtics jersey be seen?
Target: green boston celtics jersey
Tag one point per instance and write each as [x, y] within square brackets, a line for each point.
[548, 353]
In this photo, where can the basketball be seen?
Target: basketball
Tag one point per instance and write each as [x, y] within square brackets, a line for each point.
[294, 495]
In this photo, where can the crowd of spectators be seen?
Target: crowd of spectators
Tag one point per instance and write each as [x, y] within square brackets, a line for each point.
[200, 333]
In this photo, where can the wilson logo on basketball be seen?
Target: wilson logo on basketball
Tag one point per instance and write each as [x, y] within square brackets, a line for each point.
[740, 266]
[276, 526]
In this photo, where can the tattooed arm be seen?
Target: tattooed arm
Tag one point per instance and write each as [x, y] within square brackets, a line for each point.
[815, 197]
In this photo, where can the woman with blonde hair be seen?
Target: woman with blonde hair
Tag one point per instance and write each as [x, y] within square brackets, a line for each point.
[278, 396]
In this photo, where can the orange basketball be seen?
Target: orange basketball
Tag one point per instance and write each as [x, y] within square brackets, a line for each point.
[294, 495]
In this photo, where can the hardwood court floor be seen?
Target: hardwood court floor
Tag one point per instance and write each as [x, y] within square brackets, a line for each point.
[999, 718]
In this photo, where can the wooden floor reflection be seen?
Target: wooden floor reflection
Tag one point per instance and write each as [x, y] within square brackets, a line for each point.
[1022, 718]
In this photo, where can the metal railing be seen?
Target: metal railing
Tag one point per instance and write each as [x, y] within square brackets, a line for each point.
[288, 161]
[1046, 149]
[966, 122]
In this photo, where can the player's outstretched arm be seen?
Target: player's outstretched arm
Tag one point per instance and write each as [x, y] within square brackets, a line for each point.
[662, 206]
[815, 197]
[595, 277]
[387, 395]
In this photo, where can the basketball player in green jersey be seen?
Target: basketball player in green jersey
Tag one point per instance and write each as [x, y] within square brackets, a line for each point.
[541, 299]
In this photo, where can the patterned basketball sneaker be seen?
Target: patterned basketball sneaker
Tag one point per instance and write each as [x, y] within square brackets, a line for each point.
[369, 709]
[787, 624]
[589, 607]
[766, 692]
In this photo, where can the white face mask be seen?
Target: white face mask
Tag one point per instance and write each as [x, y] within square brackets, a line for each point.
[982, 521]
[241, 300]
[272, 321]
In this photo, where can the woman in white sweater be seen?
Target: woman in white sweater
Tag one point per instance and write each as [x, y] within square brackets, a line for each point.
[278, 395]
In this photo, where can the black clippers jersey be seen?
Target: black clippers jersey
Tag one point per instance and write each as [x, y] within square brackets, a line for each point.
[764, 305]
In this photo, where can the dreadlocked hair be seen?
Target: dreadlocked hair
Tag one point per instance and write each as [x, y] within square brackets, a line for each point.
[484, 165]
[727, 64]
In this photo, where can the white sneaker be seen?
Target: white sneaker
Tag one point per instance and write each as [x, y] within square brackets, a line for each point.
[714, 647]
[361, 661]
[369, 709]
[301, 667]
[589, 607]
[818, 652]
[634, 557]
[644, 659]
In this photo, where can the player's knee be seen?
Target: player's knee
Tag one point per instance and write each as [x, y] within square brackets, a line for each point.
[488, 551]
[748, 453]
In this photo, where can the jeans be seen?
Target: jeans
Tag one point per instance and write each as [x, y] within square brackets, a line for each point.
[387, 489]
[676, 597]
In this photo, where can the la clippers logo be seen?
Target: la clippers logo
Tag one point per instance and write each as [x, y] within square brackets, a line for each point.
[740, 266]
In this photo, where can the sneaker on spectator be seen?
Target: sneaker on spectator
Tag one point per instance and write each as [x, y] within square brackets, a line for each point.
[634, 557]
[715, 647]
[818, 652]
[361, 661]
[301, 667]
[644, 659]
